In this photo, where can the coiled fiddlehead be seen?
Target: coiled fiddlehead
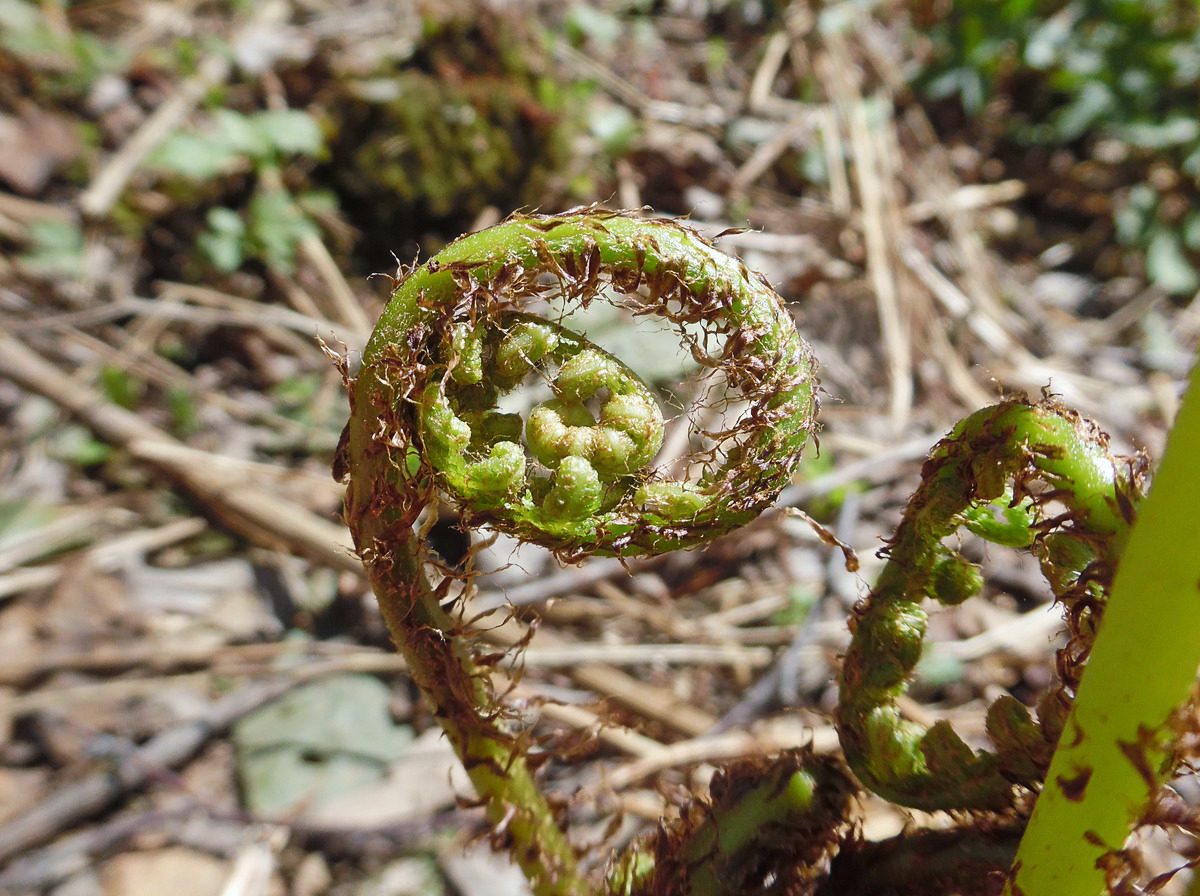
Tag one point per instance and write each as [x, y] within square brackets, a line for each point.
[590, 492]
[1024, 475]
[577, 474]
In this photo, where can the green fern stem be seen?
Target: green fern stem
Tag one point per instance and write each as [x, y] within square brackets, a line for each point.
[1018, 474]
[577, 475]
[439, 659]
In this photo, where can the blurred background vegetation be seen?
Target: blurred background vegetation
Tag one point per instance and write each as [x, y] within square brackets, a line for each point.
[381, 133]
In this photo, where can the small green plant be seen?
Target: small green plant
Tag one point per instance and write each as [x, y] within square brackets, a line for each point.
[56, 249]
[274, 221]
[474, 114]
[1087, 71]
[76, 59]
[459, 338]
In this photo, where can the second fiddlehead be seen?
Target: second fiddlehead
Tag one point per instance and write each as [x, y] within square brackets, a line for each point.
[1024, 475]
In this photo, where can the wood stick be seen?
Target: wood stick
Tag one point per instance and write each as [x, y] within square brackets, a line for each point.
[169, 749]
[262, 517]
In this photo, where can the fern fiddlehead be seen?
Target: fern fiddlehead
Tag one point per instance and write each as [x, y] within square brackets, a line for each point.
[576, 475]
[432, 413]
[1034, 476]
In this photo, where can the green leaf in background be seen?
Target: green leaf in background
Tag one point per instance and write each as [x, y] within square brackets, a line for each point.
[121, 387]
[1177, 130]
[290, 131]
[1191, 231]
[1085, 111]
[316, 203]
[222, 242]
[584, 22]
[56, 249]
[316, 744]
[1133, 217]
[75, 445]
[78, 57]
[258, 139]
[196, 156]
[1168, 266]
[1110, 73]
[614, 126]
[276, 226]
[240, 133]
[295, 395]
[185, 416]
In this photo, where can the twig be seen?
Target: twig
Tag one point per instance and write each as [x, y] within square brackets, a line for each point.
[100, 195]
[956, 304]
[26, 211]
[56, 535]
[256, 862]
[935, 178]
[169, 749]
[341, 297]
[257, 317]
[876, 469]
[262, 517]
[319, 489]
[780, 734]
[774, 53]
[1029, 635]
[617, 736]
[648, 700]
[46, 867]
[708, 116]
[254, 657]
[103, 556]
[765, 155]
[543, 588]
[840, 199]
[874, 193]
[968, 197]
[166, 658]
[213, 832]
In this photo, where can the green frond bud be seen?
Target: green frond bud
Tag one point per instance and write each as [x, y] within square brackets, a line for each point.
[676, 502]
[576, 491]
[466, 350]
[954, 580]
[523, 346]
[500, 475]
